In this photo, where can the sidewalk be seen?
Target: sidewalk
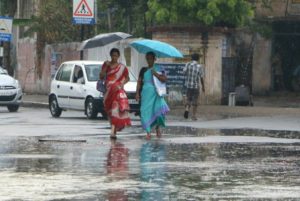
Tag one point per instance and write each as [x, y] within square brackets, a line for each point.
[263, 106]
[35, 100]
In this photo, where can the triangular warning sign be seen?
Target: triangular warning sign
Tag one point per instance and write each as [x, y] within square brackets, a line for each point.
[83, 9]
[3, 27]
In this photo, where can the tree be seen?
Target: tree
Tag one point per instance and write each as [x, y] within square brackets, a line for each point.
[119, 15]
[232, 13]
[53, 23]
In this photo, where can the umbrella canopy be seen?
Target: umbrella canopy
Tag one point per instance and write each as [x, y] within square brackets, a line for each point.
[161, 49]
[103, 39]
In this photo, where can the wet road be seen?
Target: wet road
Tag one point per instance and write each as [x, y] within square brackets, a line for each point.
[72, 159]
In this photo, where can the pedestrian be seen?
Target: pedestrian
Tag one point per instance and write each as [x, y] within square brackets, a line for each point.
[115, 100]
[153, 107]
[194, 73]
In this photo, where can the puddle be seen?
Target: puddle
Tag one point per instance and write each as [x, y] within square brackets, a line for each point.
[190, 131]
[186, 164]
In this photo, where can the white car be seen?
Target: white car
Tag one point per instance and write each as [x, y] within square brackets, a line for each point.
[10, 91]
[74, 87]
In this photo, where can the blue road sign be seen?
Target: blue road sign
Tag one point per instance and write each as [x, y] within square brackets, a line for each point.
[5, 28]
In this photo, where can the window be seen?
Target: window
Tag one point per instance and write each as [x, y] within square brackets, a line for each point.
[64, 73]
[92, 72]
[78, 73]
[59, 73]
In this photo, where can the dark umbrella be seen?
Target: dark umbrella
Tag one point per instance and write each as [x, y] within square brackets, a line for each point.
[103, 39]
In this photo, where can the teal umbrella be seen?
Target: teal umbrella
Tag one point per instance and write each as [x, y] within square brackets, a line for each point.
[161, 49]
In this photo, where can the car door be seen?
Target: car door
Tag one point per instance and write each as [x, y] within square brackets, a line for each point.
[77, 89]
[62, 85]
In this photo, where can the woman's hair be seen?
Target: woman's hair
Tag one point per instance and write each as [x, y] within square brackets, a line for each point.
[151, 54]
[114, 50]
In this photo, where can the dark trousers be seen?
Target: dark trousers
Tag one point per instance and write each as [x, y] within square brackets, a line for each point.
[192, 96]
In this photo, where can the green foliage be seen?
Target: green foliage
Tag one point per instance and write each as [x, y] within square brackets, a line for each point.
[8, 7]
[208, 12]
[264, 29]
[22, 22]
[126, 16]
[267, 4]
[54, 22]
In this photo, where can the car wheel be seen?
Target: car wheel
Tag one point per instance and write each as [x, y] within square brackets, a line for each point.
[55, 110]
[90, 109]
[13, 108]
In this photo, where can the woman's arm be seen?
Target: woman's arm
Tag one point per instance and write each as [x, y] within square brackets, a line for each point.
[124, 81]
[161, 77]
[103, 70]
[138, 88]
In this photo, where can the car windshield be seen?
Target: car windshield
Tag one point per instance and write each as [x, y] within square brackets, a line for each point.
[132, 77]
[2, 71]
[93, 70]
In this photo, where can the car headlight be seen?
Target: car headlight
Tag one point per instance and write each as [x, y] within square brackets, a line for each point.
[18, 86]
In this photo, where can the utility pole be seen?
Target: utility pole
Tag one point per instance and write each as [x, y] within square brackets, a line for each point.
[81, 39]
[109, 19]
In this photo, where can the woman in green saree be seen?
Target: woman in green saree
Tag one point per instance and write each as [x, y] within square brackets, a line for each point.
[153, 107]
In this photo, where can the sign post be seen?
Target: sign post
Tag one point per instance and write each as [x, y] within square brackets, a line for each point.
[5, 28]
[84, 12]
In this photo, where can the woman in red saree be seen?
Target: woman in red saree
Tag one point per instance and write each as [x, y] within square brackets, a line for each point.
[115, 99]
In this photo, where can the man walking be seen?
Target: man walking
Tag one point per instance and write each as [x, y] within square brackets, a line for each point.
[194, 73]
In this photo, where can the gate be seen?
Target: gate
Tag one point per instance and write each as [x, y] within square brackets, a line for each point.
[229, 65]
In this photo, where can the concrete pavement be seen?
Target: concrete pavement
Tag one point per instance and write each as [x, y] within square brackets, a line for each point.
[35, 100]
[228, 154]
[72, 158]
[263, 106]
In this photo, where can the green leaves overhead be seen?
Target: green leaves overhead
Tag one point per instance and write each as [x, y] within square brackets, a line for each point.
[208, 12]
[54, 22]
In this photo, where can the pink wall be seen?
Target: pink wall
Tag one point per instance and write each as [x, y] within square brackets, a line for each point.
[27, 61]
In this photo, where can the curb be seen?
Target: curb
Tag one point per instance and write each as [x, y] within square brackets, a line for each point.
[34, 104]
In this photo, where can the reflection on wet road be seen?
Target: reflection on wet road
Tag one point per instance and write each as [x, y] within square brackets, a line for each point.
[184, 165]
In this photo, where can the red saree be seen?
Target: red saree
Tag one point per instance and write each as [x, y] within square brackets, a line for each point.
[115, 100]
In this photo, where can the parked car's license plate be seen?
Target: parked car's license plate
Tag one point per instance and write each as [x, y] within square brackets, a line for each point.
[133, 101]
[6, 93]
